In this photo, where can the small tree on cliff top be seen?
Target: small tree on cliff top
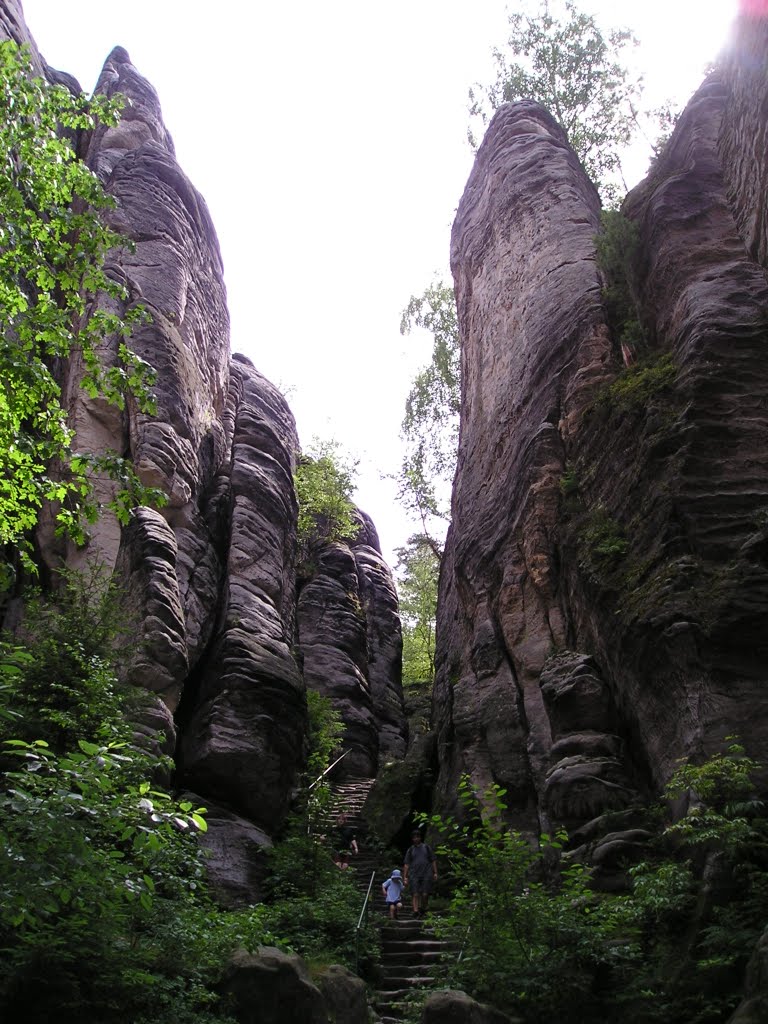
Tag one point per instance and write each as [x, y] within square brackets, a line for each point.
[560, 57]
[324, 481]
[53, 247]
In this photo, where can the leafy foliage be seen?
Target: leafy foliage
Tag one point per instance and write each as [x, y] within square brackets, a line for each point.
[704, 910]
[103, 911]
[57, 673]
[637, 384]
[531, 941]
[53, 246]
[616, 248]
[105, 915]
[562, 58]
[324, 482]
[601, 544]
[418, 569]
[539, 943]
[326, 729]
[313, 906]
[431, 423]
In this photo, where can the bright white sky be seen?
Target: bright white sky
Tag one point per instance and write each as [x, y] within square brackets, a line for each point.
[329, 140]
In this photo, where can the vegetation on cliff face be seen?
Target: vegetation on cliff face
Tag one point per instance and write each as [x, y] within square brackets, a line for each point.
[324, 481]
[57, 301]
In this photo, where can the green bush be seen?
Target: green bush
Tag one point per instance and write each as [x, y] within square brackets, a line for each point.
[104, 915]
[638, 384]
[533, 939]
[57, 678]
[324, 481]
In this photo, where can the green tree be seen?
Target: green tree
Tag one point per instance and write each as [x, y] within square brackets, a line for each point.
[418, 571]
[324, 481]
[561, 57]
[55, 301]
[430, 426]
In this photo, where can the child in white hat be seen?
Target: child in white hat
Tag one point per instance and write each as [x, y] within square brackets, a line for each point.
[393, 891]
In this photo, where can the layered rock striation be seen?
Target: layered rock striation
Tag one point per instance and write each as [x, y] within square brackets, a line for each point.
[350, 641]
[210, 580]
[605, 586]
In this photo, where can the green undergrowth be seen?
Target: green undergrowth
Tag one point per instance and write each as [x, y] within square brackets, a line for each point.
[539, 943]
[105, 910]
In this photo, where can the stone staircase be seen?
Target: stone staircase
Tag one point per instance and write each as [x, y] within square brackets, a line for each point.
[409, 948]
[409, 954]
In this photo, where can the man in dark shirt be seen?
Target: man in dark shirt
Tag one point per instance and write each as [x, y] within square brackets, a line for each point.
[420, 870]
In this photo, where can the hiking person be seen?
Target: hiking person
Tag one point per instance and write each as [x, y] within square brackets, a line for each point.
[420, 868]
[347, 835]
[393, 891]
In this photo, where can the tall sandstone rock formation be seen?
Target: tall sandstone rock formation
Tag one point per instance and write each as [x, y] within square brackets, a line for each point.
[604, 595]
[210, 581]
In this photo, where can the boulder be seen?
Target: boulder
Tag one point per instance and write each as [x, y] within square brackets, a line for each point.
[235, 859]
[452, 1006]
[345, 995]
[272, 987]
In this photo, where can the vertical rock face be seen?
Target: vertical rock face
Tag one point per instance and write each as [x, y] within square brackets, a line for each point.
[534, 347]
[605, 588]
[743, 142]
[378, 597]
[245, 719]
[351, 647]
[210, 580]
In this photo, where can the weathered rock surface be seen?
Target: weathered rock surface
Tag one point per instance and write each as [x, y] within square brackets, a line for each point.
[243, 737]
[403, 786]
[236, 855]
[654, 558]
[535, 346]
[345, 995]
[351, 647]
[272, 987]
[753, 1009]
[743, 141]
[146, 565]
[378, 597]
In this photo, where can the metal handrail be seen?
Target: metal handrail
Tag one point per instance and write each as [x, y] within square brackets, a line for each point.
[360, 922]
[330, 766]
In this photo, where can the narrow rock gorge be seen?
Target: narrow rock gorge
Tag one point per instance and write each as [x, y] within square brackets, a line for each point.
[604, 588]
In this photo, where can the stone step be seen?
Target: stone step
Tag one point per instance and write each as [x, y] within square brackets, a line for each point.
[426, 957]
[417, 946]
[405, 982]
[415, 971]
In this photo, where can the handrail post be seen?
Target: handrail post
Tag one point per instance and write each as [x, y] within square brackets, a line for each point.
[360, 921]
